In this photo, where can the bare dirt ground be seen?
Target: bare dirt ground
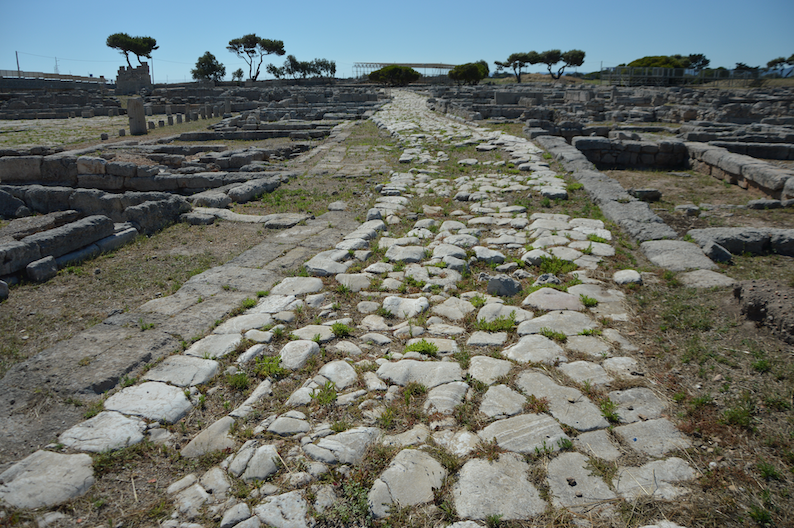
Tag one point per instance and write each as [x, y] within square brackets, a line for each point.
[731, 381]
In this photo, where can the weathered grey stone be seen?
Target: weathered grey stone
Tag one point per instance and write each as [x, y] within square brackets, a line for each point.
[637, 404]
[104, 432]
[151, 400]
[597, 444]
[70, 237]
[46, 479]
[564, 321]
[498, 488]
[42, 270]
[288, 426]
[428, 373]
[243, 323]
[214, 346]
[582, 371]
[444, 398]
[654, 437]
[552, 299]
[320, 333]
[656, 479]
[488, 369]
[453, 308]
[284, 511]
[500, 401]
[486, 339]
[297, 286]
[524, 433]
[624, 277]
[234, 515]
[409, 480]
[348, 447]
[340, 373]
[295, 353]
[414, 436]
[716, 252]
[443, 346]
[405, 308]
[4, 291]
[503, 286]
[706, 279]
[262, 462]
[407, 254]
[213, 438]
[566, 404]
[535, 349]
[573, 486]
[484, 254]
[183, 371]
[676, 255]
[493, 311]
[592, 346]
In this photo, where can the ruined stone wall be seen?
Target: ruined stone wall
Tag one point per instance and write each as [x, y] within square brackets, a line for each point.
[741, 170]
[132, 80]
[605, 151]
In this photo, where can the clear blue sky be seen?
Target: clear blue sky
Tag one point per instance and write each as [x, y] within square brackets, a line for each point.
[347, 31]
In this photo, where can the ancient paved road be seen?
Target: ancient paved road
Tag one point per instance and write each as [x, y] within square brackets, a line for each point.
[523, 392]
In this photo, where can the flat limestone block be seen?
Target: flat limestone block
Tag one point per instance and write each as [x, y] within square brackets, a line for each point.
[654, 437]
[45, 479]
[106, 431]
[183, 371]
[498, 488]
[151, 400]
[706, 279]
[214, 346]
[213, 438]
[523, 433]
[676, 255]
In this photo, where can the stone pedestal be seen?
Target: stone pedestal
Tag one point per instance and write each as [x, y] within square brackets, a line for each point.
[122, 132]
[227, 107]
[161, 123]
[178, 119]
[187, 113]
[168, 110]
[151, 125]
[194, 116]
[203, 112]
[148, 110]
[137, 116]
[170, 120]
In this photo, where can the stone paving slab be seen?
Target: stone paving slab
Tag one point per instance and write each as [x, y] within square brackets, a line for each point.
[46, 479]
[151, 400]
[106, 431]
[183, 371]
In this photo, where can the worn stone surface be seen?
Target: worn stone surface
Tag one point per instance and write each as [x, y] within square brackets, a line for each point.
[106, 431]
[151, 400]
[409, 480]
[183, 371]
[654, 437]
[213, 438]
[566, 404]
[524, 433]
[535, 349]
[500, 488]
[428, 373]
[46, 479]
[656, 478]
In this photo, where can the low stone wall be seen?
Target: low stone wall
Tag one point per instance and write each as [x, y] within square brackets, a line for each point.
[605, 151]
[63, 245]
[777, 151]
[721, 242]
[147, 211]
[632, 215]
[741, 170]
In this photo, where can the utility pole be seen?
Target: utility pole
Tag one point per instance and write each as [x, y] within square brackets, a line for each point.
[56, 65]
[19, 72]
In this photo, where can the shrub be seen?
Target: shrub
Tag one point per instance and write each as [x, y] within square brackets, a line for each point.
[395, 75]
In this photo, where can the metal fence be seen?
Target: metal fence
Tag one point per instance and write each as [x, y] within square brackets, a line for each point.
[625, 76]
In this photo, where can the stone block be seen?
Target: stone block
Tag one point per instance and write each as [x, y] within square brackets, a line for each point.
[120, 168]
[20, 169]
[15, 255]
[62, 169]
[45, 199]
[42, 270]
[90, 165]
[69, 237]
